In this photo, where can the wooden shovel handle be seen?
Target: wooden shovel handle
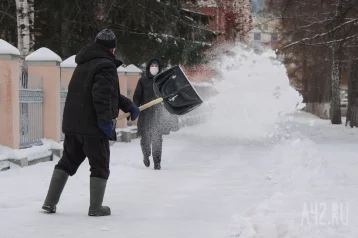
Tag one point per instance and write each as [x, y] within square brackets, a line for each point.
[141, 108]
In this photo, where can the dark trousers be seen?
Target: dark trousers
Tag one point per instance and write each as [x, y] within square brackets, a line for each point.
[152, 143]
[77, 148]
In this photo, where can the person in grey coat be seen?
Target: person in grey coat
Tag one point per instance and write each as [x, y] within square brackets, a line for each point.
[155, 121]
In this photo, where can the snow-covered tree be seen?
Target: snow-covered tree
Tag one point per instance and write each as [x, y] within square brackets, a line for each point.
[144, 28]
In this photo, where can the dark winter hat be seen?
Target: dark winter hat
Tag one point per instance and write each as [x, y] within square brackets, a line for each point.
[106, 38]
[154, 61]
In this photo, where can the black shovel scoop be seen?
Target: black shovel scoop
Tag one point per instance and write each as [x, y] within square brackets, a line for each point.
[173, 88]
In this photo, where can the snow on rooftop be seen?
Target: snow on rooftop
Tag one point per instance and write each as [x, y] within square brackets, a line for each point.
[121, 69]
[133, 69]
[205, 3]
[8, 49]
[69, 62]
[129, 69]
[43, 54]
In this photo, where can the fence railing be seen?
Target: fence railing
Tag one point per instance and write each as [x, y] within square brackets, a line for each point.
[31, 111]
[63, 96]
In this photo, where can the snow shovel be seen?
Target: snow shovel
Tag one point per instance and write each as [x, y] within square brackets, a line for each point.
[173, 88]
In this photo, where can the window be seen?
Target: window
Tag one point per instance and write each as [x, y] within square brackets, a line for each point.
[257, 36]
[265, 27]
[273, 37]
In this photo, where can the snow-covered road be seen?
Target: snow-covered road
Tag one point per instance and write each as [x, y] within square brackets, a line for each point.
[205, 189]
[199, 188]
[217, 179]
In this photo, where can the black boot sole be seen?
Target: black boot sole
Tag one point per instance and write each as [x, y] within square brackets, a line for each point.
[99, 214]
[146, 162]
[49, 209]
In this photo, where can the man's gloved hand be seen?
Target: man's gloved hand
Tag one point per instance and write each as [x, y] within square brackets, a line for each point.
[107, 129]
[134, 110]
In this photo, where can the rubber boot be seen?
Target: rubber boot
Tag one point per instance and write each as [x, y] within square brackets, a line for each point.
[58, 182]
[157, 161]
[97, 190]
[146, 161]
[157, 166]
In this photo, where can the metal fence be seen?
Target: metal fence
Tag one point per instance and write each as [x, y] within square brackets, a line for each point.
[63, 97]
[31, 110]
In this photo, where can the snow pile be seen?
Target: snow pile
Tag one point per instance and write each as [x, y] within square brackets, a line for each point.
[277, 216]
[4, 165]
[52, 144]
[2, 153]
[6, 48]
[32, 153]
[296, 173]
[297, 163]
[254, 94]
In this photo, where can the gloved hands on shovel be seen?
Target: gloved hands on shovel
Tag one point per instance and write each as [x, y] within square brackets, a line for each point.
[134, 110]
[109, 128]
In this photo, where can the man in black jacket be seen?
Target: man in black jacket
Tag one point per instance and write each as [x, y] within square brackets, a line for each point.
[89, 120]
[155, 121]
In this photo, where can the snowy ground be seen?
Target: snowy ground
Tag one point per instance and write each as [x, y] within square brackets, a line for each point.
[219, 178]
[206, 189]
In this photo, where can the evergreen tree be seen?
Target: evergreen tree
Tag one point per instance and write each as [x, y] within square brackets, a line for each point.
[8, 21]
[144, 28]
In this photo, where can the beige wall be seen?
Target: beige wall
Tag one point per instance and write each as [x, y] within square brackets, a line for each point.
[128, 83]
[50, 73]
[50, 77]
[9, 101]
[66, 74]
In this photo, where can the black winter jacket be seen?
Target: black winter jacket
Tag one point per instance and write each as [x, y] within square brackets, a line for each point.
[155, 119]
[93, 93]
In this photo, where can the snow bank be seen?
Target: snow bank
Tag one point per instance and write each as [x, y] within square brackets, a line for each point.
[69, 62]
[4, 165]
[43, 54]
[6, 48]
[31, 153]
[297, 163]
[3, 154]
[254, 94]
[297, 170]
[52, 144]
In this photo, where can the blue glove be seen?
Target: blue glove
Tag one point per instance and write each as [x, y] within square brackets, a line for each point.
[134, 110]
[107, 129]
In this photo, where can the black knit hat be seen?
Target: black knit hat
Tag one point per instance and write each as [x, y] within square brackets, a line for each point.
[106, 38]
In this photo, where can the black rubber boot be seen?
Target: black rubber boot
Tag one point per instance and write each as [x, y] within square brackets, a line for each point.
[58, 182]
[146, 161]
[97, 190]
[157, 166]
[157, 160]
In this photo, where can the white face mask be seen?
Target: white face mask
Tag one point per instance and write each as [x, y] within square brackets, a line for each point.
[154, 70]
